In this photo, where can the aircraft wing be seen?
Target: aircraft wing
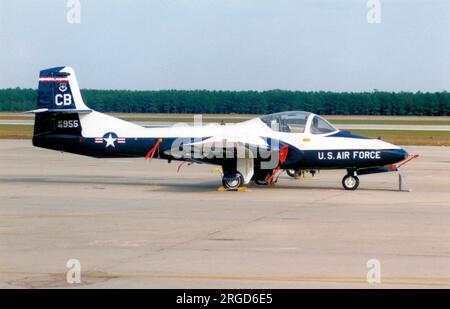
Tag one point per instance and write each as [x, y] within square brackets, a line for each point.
[231, 142]
[223, 145]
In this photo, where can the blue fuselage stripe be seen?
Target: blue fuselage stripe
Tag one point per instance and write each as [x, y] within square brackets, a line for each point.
[139, 147]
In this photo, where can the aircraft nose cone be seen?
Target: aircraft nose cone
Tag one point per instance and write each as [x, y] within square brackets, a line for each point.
[401, 154]
[404, 153]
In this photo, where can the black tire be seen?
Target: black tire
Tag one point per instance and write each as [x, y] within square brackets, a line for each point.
[292, 173]
[261, 177]
[350, 182]
[262, 182]
[232, 182]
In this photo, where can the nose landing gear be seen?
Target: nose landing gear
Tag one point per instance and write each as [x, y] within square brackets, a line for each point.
[350, 182]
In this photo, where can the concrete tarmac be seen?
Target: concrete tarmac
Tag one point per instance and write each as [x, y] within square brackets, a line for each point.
[136, 224]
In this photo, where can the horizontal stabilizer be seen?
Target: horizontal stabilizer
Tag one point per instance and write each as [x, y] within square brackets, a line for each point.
[71, 111]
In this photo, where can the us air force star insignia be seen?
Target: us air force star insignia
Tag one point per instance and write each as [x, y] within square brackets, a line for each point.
[110, 141]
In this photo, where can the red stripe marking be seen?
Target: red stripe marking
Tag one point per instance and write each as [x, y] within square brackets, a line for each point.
[392, 167]
[412, 157]
[282, 158]
[153, 150]
[283, 154]
[53, 79]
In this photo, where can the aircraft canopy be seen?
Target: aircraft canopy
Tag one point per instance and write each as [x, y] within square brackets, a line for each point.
[297, 122]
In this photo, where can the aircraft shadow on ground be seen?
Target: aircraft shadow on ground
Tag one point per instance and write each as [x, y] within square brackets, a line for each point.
[165, 185]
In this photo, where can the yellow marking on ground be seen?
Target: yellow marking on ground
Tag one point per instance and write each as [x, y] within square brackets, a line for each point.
[217, 170]
[153, 187]
[241, 189]
[416, 281]
[307, 178]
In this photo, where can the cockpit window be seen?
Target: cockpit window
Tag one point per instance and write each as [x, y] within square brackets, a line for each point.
[321, 126]
[291, 122]
[295, 124]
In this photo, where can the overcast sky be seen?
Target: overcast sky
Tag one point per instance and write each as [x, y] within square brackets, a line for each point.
[230, 44]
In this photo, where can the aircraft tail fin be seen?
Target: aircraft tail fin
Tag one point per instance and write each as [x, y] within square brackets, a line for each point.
[59, 104]
[59, 92]
[62, 116]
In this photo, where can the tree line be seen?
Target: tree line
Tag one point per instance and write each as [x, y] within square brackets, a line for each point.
[247, 102]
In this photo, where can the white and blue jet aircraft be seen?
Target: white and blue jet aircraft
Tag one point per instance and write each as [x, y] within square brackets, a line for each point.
[254, 150]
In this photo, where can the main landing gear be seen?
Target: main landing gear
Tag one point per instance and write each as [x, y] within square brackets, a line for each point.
[237, 173]
[262, 182]
[232, 182]
[301, 173]
[261, 177]
[292, 173]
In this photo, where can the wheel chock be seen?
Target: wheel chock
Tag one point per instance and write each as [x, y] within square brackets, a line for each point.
[241, 189]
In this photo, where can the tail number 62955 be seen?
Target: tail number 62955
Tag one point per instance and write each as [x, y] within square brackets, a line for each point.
[68, 124]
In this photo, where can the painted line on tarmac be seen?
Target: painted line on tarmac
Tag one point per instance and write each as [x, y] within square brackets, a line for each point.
[415, 281]
[394, 127]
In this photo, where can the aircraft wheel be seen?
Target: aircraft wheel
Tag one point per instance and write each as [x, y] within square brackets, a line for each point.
[232, 182]
[292, 173]
[261, 177]
[262, 182]
[350, 182]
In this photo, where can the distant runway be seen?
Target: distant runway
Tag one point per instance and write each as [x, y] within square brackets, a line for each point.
[133, 223]
[411, 127]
